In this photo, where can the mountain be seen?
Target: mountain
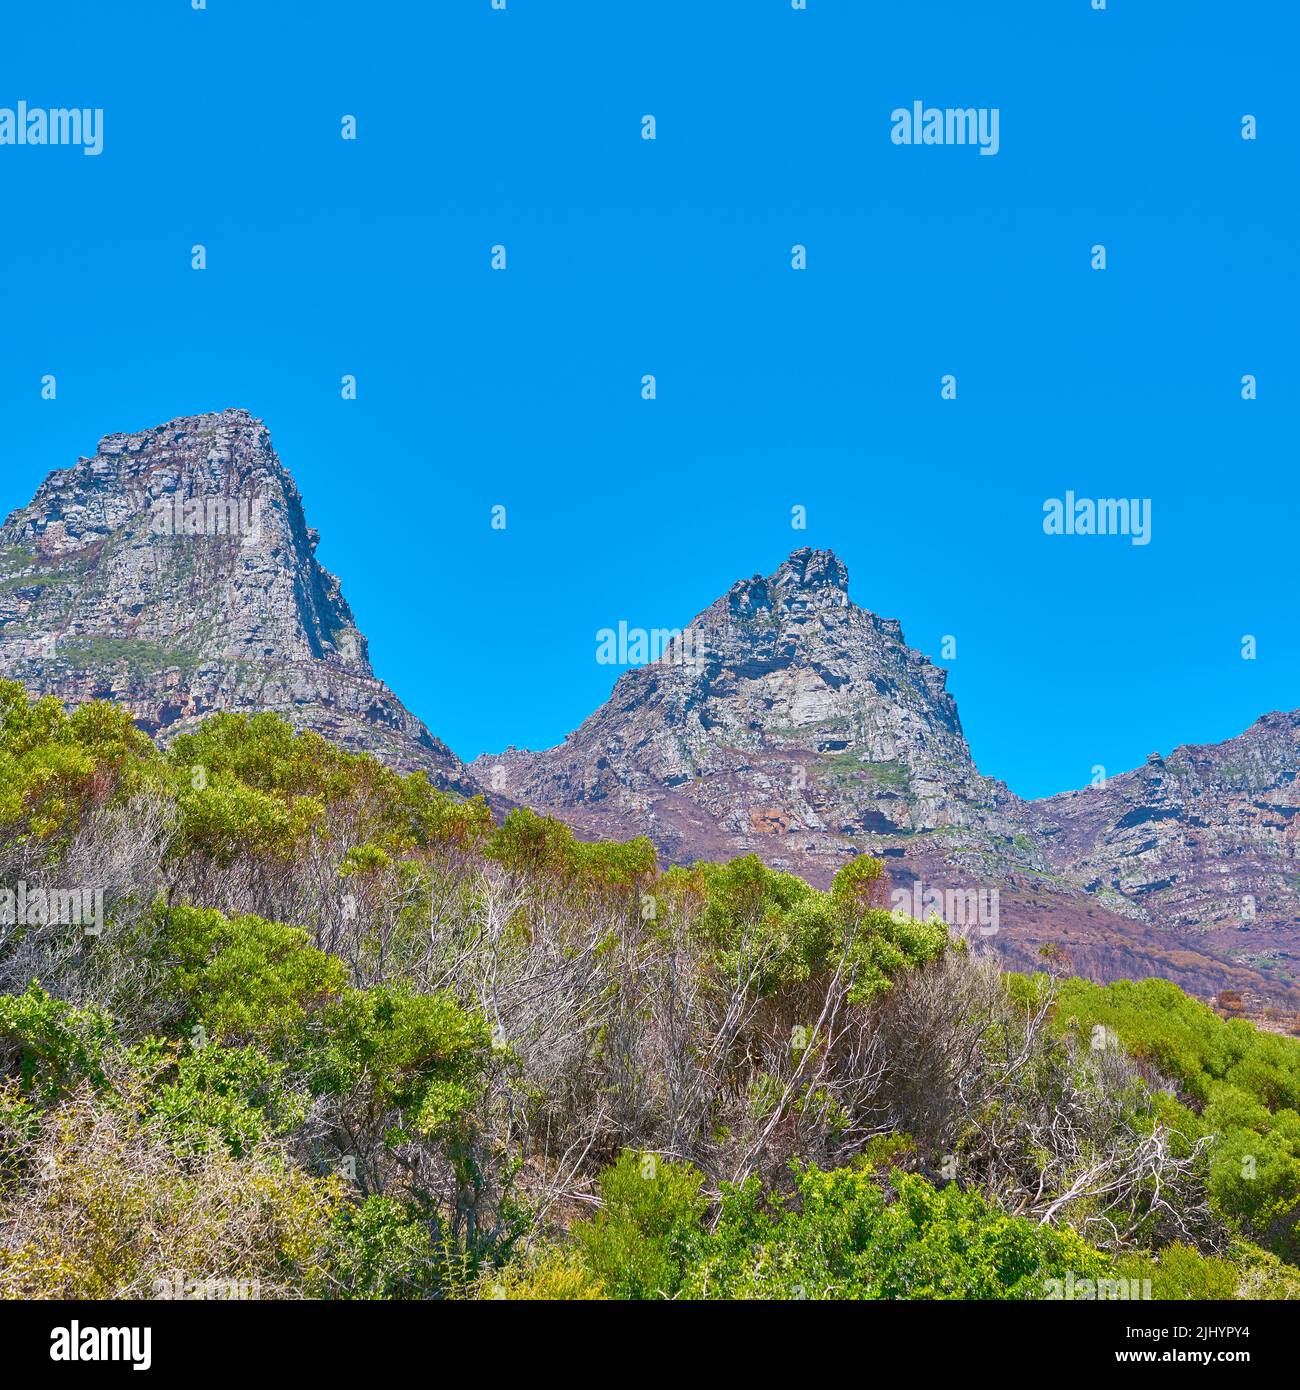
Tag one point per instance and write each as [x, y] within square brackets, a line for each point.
[174, 573]
[1206, 840]
[785, 720]
[788, 722]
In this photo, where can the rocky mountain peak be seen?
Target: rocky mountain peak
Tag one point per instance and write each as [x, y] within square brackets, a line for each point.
[802, 613]
[812, 571]
[801, 725]
[808, 579]
[174, 572]
[805, 729]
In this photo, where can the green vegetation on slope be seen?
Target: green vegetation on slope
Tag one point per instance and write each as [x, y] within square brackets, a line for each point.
[336, 1034]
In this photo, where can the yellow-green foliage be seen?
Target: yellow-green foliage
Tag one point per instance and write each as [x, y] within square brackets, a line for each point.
[554, 1276]
[53, 765]
[250, 785]
[640, 1243]
[247, 979]
[788, 933]
[419, 1054]
[543, 848]
[116, 1208]
[1181, 1272]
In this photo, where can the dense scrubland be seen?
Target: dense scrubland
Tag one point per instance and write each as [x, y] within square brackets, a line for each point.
[339, 1035]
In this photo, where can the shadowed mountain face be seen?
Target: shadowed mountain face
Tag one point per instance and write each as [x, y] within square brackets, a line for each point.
[174, 573]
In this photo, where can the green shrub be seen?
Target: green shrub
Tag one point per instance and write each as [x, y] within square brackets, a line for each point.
[847, 1236]
[384, 1250]
[1181, 1272]
[54, 766]
[640, 1243]
[48, 1045]
[552, 1276]
[234, 1096]
[1240, 1086]
[787, 933]
[246, 979]
[419, 1055]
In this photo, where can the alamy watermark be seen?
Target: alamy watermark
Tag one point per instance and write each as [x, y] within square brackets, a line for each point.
[62, 125]
[949, 125]
[179, 1286]
[178, 515]
[1100, 516]
[639, 646]
[77, 1343]
[54, 907]
[1072, 1290]
[962, 908]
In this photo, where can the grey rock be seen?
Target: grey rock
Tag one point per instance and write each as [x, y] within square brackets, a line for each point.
[101, 598]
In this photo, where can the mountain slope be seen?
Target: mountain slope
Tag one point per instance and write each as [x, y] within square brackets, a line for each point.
[174, 573]
[784, 719]
[1206, 840]
[788, 722]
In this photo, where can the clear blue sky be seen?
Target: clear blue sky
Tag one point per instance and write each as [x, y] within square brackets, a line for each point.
[775, 387]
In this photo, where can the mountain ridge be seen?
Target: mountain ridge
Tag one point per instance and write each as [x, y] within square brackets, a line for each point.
[806, 730]
[784, 720]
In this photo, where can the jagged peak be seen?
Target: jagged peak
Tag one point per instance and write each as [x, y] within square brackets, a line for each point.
[811, 569]
[170, 431]
[215, 441]
[809, 582]
[249, 620]
[1282, 722]
[807, 579]
[224, 453]
[1277, 719]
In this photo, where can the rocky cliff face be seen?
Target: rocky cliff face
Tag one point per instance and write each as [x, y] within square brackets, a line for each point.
[1206, 841]
[788, 722]
[784, 719]
[174, 573]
